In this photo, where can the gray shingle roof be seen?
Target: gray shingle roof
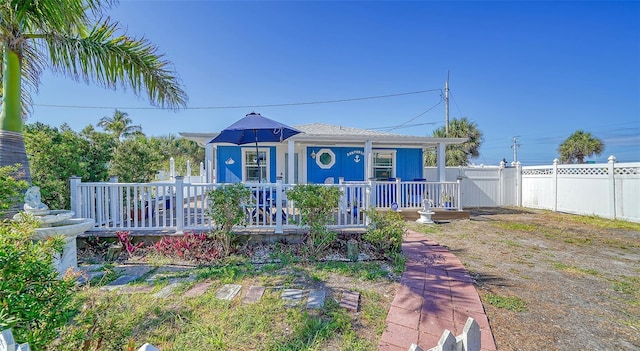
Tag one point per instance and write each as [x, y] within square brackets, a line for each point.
[330, 129]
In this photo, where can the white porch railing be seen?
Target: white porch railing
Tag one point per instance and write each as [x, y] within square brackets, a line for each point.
[183, 206]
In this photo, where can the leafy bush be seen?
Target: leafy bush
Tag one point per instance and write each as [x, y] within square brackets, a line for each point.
[125, 241]
[10, 188]
[386, 230]
[33, 301]
[316, 204]
[191, 246]
[226, 211]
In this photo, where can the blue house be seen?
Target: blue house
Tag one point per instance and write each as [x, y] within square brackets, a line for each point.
[323, 153]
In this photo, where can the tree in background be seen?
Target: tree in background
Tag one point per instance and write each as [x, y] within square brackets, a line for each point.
[120, 126]
[65, 36]
[135, 161]
[578, 146]
[181, 150]
[458, 155]
[58, 153]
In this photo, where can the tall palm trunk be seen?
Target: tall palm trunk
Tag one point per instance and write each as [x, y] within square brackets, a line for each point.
[12, 148]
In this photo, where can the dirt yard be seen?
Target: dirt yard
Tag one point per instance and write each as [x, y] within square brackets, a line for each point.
[555, 281]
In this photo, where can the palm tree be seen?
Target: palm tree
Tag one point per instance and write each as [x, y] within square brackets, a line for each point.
[65, 36]
[120, 126]
[579, 145]
[458, 155]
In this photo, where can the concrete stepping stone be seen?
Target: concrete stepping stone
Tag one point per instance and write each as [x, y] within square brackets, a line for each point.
[350, 300]
[292, 297]
[120, 282]
[136, 289]
[166, 291]
[198, 289]
[254, 294]
[138, 271]
[228, 292]
[316, 299]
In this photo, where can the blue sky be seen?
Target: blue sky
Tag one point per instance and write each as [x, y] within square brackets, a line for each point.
[535, 70]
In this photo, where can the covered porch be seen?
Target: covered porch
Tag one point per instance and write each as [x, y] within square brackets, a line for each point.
[178, 206]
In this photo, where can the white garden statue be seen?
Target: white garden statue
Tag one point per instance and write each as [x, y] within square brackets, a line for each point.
[33, 201]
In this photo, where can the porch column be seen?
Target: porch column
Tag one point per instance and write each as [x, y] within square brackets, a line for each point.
[208, 158]
[441, 162]
[291, 172]
[368, 160]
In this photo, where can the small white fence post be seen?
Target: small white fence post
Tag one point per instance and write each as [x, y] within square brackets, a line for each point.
[179, 184]
[8, 343]
[469, 340]
[459, 194]
[612, 186]
[397, 195]
[114, 202]
[279, 198]
[172, 168]
[189, 171]
[74, 184]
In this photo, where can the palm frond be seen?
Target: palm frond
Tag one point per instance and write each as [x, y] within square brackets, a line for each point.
[112, 60]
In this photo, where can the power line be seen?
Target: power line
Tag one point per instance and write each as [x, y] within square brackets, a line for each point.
[414, 118]
[247, 106]
[405, 125]
[455, 103]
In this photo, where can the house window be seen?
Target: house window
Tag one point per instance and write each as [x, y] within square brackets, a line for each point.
[253, 172]
[384, 165]
[325, 158]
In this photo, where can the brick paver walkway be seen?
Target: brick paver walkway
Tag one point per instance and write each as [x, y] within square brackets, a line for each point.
[436, 293]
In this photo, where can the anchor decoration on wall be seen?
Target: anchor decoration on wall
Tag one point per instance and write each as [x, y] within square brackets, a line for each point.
[356, 159]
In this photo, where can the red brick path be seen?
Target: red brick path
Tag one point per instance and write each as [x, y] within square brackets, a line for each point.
[436, 293]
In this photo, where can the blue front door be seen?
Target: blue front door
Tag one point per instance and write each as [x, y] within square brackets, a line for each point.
[334, 162]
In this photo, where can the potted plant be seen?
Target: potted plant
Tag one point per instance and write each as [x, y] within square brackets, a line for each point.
[446, 200]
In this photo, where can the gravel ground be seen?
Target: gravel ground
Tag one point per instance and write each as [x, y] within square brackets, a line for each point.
[579, 276]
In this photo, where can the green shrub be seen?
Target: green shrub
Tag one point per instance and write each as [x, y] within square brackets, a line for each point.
[226, 211]
[316, 204]
[386, 230]
[10, 188]
[34, 303]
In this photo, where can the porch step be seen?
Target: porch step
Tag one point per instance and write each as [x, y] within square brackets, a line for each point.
[438, 214]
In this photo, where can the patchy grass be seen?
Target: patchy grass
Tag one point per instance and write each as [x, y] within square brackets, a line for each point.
[110, 320]
[525, 227]
[511, 303]
[601, 222]
[574, 269]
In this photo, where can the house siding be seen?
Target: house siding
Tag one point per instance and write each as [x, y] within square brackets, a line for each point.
[232, 173]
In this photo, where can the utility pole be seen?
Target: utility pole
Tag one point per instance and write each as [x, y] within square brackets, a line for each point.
[446, 106]
[515, 147]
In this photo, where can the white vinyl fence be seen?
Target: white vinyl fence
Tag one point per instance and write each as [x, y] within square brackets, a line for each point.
[610, 190]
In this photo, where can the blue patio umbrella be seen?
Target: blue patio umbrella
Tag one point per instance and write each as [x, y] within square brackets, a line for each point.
[255, 128]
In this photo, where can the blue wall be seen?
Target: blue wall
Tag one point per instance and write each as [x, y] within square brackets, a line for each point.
[409, 164]
[349, 164]
[232, 173]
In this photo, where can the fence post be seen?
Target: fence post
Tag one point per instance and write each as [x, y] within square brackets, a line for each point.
[555, 185]
[397, 195]
[518, 184]
[459, 194]
[278, 206]
[179, 184]
[372, 193]
[501, 183]
[74, 184]
[113, 200]
[172, 168]
[612, 186]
